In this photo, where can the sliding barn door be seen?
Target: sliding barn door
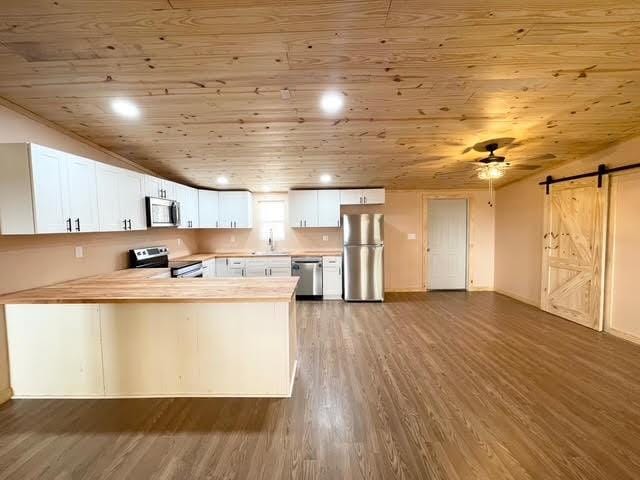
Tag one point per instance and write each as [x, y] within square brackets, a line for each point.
[574, 249]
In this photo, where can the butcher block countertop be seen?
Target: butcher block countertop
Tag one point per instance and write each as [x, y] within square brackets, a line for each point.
[144, 286]
[203, 257]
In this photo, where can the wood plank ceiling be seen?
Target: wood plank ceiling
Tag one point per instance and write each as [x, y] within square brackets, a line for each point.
[423, 82]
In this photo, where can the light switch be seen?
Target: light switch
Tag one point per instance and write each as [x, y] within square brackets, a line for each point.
[79, 252]
[411, 236]
[325, 238]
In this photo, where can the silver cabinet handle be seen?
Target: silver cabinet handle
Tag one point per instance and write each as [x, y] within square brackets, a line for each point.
[77, 224]
[365, 199]
[69, 229]
[125, 224]
[270, 272]
[265, 271]
[360, 199]
[305, 223]
[129, 224]
[216, 223]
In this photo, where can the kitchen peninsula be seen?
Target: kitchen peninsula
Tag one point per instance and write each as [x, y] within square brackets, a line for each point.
[136, 333]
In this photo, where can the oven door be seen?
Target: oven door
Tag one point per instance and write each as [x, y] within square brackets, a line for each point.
[162, 212]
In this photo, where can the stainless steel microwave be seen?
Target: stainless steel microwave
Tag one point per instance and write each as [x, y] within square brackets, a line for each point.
[162, 212]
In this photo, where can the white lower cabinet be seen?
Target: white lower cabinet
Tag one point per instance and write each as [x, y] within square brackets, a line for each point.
[209, 268]
[332, 277]
[253, 266]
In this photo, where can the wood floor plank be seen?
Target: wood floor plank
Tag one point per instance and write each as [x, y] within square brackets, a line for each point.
[442, 385]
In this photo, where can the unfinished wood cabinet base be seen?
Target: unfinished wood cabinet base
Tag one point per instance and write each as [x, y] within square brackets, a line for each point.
[152, 350]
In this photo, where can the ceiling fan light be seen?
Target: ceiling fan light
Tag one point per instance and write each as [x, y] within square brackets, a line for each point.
[491, 172]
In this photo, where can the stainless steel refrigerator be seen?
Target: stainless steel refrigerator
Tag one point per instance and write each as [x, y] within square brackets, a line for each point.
[363, 257]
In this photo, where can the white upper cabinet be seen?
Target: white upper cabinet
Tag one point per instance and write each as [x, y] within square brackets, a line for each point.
[160, 188]
[303, 208]
[83, 194]
[50, 190]
[235, 209]
[208, 210]
[188, 199]
[65, 196]
[120, 199]
[328, 208]
[367, 196]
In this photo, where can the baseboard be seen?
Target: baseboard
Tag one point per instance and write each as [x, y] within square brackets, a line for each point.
[518, 297]
[480, 289]
[625, 336]
[6, 394]
[405, 290]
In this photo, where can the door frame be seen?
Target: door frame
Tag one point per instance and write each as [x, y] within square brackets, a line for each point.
[425, 235]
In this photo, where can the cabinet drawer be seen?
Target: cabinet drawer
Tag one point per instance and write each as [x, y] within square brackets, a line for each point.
[328, 262]
[236, 262]
[281, 271]
[279, 262]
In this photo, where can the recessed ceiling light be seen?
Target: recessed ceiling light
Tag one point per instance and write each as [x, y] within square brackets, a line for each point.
[332, 102]
[222, 180]
[325, 178]
[125, 108]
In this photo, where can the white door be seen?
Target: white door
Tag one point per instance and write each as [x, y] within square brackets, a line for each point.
[373, 196]
[208, 208]
[236, 209]
[108, 184]
[350, 197]
[50, 202]
[303, 208]
[329, 208]
[83, 194]
[447, 244]
[131, 199]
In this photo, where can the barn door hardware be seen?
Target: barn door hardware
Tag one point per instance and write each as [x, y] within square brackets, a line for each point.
[600, 173]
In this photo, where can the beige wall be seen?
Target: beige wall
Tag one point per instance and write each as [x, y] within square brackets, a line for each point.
[519, 217]
[404, 215]
[35, 260]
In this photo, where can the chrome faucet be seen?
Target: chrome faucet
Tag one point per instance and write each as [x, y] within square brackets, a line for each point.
[270, 241]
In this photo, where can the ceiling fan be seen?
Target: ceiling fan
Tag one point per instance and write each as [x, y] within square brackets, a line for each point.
[492, 166]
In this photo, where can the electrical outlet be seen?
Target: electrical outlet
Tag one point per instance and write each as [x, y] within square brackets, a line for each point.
[179, 241]
[233, 239]
[79, 252]
[411, 236]
[325, 238]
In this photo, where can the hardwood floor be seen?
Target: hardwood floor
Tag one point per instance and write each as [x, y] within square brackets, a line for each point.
[449, 385]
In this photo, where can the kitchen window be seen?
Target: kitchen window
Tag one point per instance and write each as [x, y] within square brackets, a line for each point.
[271, 215]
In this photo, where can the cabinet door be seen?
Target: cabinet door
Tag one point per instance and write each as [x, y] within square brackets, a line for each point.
[351, 197]
[152, 186]
[236, 209]
[209, 268]
[332, 277]
[170, 189]
[49, 178]
[183, 197]
[208, 209]
[256, 267]
[131, 199]
[329, 208]
[109, 204]
[303, 208]
[83, 194]
[193, 208]
[373, 196]
[296, 208]
[222, 267]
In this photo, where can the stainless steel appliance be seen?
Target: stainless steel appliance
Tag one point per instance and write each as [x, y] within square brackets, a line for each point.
[158, 257]
[162, 212]
[309, 269]
[363, 256]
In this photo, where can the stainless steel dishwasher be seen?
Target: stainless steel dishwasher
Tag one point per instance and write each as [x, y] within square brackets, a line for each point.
[309, 269]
